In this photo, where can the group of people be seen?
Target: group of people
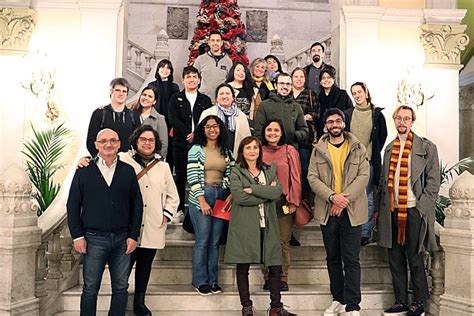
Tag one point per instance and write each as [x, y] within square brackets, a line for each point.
[260, 141]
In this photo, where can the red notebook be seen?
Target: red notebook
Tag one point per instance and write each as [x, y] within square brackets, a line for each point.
[221, 211]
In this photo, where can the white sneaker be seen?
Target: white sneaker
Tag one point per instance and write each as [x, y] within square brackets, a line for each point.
[178, 217]
[334, 309]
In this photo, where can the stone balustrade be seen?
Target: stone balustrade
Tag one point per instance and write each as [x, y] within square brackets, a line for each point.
[457, 240]
[300, 58]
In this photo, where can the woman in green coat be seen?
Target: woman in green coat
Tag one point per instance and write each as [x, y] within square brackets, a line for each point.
[254, 233]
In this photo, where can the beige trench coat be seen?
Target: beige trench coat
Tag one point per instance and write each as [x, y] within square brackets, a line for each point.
[160, 198]
[355, 178]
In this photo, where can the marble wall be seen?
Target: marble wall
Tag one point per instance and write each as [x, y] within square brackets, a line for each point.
[466, 122]
[304, 23]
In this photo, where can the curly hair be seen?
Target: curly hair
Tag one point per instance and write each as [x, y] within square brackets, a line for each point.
[201, 139]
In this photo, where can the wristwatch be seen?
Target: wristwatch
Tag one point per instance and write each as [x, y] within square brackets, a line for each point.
[331, 197]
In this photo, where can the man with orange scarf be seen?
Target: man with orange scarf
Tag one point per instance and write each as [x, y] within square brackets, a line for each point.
[406, 204]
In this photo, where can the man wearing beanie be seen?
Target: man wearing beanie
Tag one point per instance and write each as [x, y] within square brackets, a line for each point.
[338, 174]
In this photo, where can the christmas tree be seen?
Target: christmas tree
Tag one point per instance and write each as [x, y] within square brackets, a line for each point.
[223, 15]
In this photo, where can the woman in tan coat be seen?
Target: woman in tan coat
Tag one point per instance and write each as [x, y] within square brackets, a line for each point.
[160, 201]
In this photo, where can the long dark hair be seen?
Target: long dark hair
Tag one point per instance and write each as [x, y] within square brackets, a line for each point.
[240, 153]
[247, 85]
[201, 139]
[282, 140]
[280, 69]
[138, 106]
[162, 63]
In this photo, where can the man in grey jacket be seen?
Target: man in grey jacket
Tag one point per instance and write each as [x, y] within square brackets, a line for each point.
[406, 205]
[338, 174]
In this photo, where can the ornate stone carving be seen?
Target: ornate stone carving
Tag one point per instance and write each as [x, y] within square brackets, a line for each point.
[15, 188]
[443, 43]
[256, 26]
[461, 192]
[177, 23]
[16, 27]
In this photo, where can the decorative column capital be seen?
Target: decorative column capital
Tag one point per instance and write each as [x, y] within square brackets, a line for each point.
[443, 43]
[16, 28]
[16, 188]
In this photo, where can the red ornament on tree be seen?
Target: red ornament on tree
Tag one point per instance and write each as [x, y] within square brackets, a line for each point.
[224, 16]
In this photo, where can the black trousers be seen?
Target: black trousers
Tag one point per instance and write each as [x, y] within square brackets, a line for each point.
[180, 159]
[342, 243]
[144, 259]
[398, 255]
[274, 283]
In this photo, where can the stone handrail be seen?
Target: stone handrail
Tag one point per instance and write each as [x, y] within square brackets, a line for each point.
[135, 57]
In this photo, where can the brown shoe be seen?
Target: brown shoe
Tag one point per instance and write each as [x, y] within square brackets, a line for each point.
[280, 311]
[247, 310]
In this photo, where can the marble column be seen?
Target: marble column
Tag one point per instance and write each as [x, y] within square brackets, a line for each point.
[443, 44]
[19, 238]
[457, 240]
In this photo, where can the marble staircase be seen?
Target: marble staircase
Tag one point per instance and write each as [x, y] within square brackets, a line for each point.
[170, 292]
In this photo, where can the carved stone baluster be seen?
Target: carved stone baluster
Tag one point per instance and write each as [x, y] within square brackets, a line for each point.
[68, 259]
[138, 60]
[129, 56]
[298, 61]
[162, 50]
[327, 52]
[437, 279]
[41, 271]
[54, 255]
[148, 64]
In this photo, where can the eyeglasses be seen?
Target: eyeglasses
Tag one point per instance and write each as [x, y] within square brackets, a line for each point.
[288, 84]
[208, 127]
[146, 140]
[331, 122]
[405, 119]
[120, 91]
[256, 180]
[112, 141]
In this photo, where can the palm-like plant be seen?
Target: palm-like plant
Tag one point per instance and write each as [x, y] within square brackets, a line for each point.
[446, 175]
[43, 151]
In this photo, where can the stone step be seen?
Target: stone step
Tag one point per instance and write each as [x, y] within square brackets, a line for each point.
[301, 272]
[308, 233]
[183, 298]
[222, 313]
[181, 250]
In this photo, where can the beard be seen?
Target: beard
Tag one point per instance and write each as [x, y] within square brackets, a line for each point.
[333, 133]
[316, 58]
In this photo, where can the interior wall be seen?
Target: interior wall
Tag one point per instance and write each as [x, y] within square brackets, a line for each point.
[297, 23]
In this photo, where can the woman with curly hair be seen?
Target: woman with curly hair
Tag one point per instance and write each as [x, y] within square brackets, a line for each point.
[209, 165]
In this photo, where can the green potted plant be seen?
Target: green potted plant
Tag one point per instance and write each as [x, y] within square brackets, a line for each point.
[43, 151]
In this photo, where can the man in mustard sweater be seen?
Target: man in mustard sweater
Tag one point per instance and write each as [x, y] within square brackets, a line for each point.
[338, 174]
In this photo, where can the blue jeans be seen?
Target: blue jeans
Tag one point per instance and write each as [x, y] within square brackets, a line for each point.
[208, 231]
[103, 248]
[369, 226]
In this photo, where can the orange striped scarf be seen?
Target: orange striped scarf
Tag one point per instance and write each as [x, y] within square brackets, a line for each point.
[402, 183]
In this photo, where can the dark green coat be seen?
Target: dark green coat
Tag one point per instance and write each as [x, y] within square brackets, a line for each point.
[243, 239]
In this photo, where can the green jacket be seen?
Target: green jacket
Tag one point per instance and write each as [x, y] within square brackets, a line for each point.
[243, 239]
[289, 112]
[355, 177]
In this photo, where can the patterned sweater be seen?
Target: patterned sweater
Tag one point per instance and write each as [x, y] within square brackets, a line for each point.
[196, 158]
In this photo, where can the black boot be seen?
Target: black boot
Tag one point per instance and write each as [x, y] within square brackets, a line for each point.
[139, 307]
